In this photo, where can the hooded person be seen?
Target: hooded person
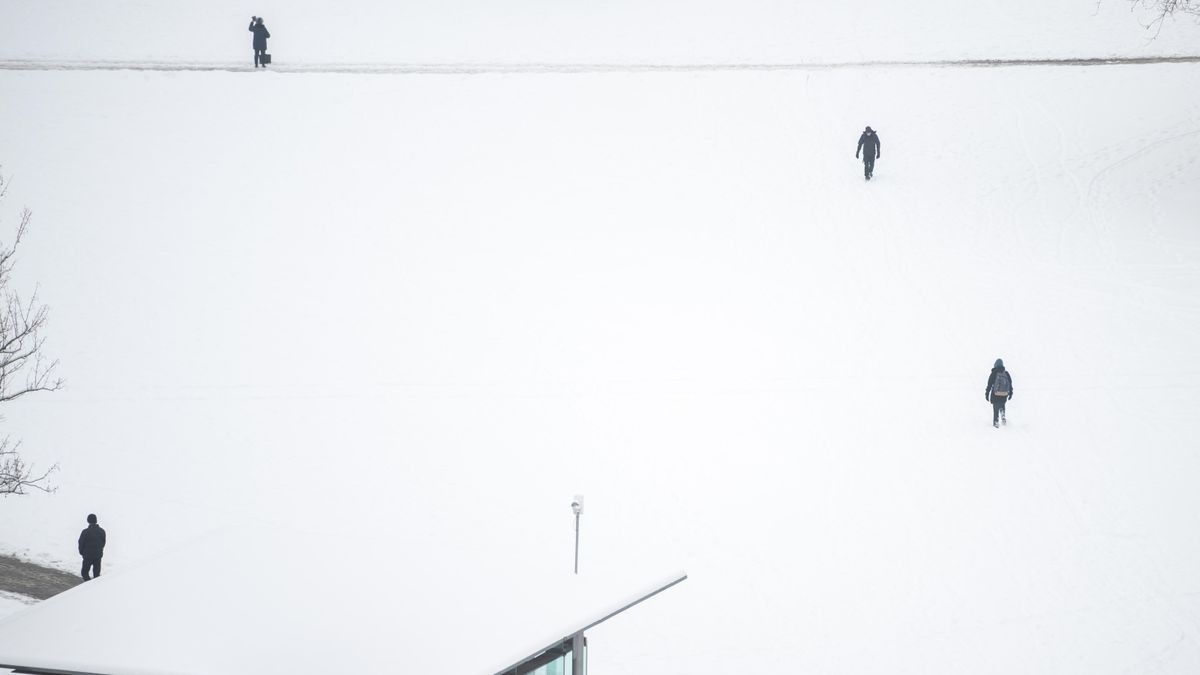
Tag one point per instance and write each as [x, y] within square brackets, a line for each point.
[999, 390]
[868, 145]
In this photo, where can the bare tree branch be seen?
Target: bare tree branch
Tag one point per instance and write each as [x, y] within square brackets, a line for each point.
[1162, 9]
[24, 369]
[15, 476]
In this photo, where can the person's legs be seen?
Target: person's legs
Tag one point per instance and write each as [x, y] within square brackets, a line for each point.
[84, 572]
[96, 567]
[257, 54]
[997, 406]
[868, 165]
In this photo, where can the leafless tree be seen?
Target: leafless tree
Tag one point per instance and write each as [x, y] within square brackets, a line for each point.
[24, 369]
[1161, 9]
[16, 476]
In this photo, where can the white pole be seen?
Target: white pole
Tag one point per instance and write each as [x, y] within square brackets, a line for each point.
[577, 507]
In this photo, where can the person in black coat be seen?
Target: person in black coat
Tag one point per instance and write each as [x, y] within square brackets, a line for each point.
[91, 547]
[868, 144]
[260, 39]
[999, 390]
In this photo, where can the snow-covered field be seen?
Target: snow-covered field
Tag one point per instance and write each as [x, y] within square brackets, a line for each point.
[412, 308]
[436, 303]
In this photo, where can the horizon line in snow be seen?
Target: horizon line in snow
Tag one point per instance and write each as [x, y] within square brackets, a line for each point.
[569, 68]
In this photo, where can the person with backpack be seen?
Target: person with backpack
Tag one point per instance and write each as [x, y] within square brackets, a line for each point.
[260, 41]
[869, 145]
[91, 547]
[999, 390]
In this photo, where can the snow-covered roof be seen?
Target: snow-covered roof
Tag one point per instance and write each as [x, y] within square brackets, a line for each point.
[254, 602]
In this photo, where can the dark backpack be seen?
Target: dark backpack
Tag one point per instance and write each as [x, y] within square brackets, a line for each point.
[1001, 386]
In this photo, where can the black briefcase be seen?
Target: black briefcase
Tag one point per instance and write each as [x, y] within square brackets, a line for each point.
[264, 59]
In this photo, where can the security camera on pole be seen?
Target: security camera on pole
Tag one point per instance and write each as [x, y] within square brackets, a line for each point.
[577, 507]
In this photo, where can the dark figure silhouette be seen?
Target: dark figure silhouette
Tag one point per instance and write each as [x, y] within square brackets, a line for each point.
[260, 40]
[868, 144]
[91, 547]
[999, 391]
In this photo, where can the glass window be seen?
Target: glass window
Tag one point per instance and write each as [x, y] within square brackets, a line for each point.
[559, 666]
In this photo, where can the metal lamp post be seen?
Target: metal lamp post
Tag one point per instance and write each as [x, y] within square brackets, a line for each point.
[577, 507]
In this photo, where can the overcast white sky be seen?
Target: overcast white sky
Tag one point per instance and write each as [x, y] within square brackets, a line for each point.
[576, 31]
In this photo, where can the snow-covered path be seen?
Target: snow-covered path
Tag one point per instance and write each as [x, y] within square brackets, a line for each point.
[33, 581]
[560, 68]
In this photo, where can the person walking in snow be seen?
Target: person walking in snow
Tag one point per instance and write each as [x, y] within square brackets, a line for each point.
[260, 40]
[999, 391]
[868, 144]
[91, 547]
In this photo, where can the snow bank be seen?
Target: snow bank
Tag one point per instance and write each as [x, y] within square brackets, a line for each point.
[11, 603]
[255, 601]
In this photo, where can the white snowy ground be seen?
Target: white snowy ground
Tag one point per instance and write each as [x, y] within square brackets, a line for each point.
[13, 602]
[416, 306]
[447, 303]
